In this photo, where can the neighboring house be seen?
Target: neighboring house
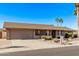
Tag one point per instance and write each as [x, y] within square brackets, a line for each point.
[13, 30]
[0, 33]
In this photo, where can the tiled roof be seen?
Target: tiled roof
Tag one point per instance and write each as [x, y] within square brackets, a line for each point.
[33, 26]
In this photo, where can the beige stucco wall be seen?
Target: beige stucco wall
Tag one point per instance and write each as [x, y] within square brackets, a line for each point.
[4, 35]
[21, 34]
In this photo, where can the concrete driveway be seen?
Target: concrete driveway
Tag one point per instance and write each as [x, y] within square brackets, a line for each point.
[22, 45]
[33, 44]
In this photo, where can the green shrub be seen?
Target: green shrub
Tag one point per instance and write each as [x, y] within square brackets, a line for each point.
[53, 36]
[68, 35]
[58, 37]
[46, 37]
[43, 37]
[75, 36]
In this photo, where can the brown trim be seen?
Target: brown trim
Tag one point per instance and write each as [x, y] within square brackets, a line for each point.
[38, 29]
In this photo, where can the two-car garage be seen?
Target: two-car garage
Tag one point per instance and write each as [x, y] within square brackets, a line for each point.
[20, 34]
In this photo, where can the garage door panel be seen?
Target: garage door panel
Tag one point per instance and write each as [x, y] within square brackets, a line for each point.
[22, 34]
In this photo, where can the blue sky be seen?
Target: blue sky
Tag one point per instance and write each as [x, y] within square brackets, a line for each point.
[39, 13]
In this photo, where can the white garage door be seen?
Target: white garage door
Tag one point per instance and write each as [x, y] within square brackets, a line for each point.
[21, 34]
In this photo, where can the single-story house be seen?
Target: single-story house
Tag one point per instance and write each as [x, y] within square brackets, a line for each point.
[12, 30]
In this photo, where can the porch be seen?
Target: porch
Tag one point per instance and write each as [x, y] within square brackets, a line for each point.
[53, 33]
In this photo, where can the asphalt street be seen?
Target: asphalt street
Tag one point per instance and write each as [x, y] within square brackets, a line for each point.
[65, 51]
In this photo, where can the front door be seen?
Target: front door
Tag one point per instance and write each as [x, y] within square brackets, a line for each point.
[54, 33]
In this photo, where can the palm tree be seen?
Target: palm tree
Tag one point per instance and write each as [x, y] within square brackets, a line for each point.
[76, 12]
[59, 21]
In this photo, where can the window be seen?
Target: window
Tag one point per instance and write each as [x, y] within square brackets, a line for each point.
[37, 32]
[40, 32]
